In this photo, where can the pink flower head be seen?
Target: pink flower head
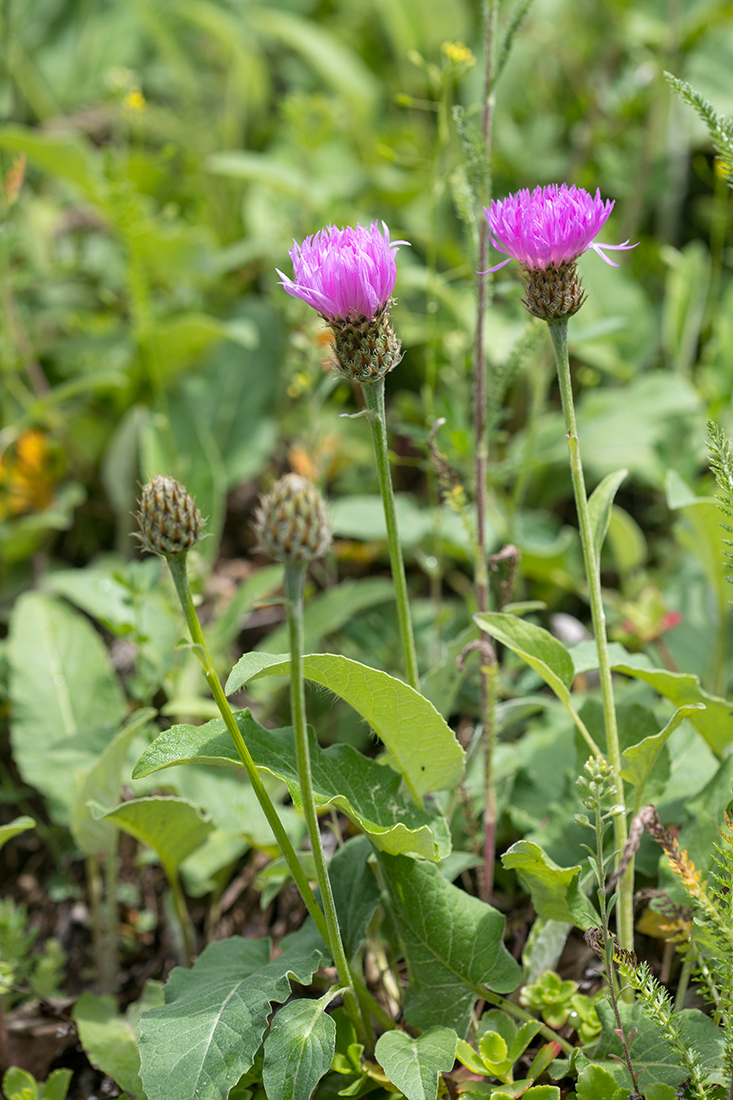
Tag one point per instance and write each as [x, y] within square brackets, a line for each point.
[550, 225]
[344, 273]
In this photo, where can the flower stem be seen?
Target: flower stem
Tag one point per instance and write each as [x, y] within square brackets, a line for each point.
[294, 581]
[374, 401]
[177, 566]
[480, 571]
[591, 557]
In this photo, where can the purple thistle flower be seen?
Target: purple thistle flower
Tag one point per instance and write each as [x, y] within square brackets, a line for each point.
[549, 226]
[344, 273]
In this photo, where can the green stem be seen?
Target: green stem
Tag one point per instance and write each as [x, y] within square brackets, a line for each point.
[371, 1005]
[111, 917]
[591, 557]
[183, 915]
[374, 401]
[177, 566]
[294, 581]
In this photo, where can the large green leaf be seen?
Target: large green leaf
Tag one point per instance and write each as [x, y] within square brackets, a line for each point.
[715, 722]
[453, 945]
[413, 1065]
[110, 1039]
[172, 827]
[542, 652]
[556, 893]
[355, 891]
[17, 825]
[198, 1045]
[419, 740]
[66, 702]
[651, 1052]
[640, 759]
[299, 1049]
[366, 791]
[102, 785]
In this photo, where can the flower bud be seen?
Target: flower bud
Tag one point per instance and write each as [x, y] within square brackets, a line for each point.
[366, 348]
[170, 523]
[291, 521]
[552, 292]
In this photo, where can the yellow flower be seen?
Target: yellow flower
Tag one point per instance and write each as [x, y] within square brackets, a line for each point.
[134, 100]
[458, 54]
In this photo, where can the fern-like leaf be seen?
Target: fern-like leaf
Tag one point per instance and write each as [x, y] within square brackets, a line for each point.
[721, 463]
[719, 127]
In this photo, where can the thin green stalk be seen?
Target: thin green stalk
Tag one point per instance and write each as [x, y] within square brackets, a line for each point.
[370, 1005]
[374, 401]
[625, 917]
[294, 581]
[184, 917]
[177, 566]
[112, 953]
[94, 891]
[490, 10]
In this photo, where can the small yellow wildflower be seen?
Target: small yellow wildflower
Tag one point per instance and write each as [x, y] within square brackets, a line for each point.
[458, 54]
[134, 100]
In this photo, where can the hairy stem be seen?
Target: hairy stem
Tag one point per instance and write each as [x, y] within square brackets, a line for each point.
[294, 581]
[374, 401]
[177, 566]
[481, 577]
[591, 558]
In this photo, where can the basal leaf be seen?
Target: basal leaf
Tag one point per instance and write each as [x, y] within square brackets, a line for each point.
[413, 1065]
[715, 722]
[542, 652]
[298, 1049]
[172, 827]
[366, 791]
[110, 1039]
[453, 944]
[599, 506]
[17, 825]
[198, 1045]
[66, 701]
[355, 891]
[421, 743]
[651, 1053]
[556, 893]
[102, 785]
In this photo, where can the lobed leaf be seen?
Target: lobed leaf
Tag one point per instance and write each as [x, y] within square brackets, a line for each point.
[198, 1045]
[367, 792]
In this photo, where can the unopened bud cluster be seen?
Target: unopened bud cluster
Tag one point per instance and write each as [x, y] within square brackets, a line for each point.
[170, 523]
[291, 521]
